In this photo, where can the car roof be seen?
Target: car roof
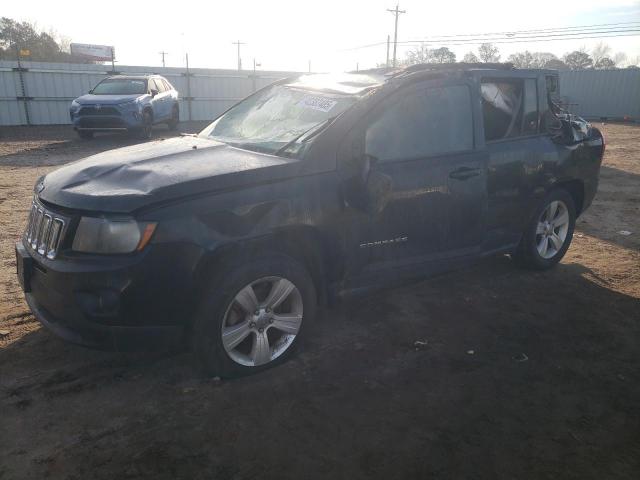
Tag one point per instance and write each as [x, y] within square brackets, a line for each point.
[341, 83]
[134, 77]
[358, 82]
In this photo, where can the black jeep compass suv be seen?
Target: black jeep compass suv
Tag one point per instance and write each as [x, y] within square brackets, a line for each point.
[312, 187]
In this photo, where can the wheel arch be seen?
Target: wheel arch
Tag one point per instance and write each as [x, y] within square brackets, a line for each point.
[575, 188]
[148, 109]
[304, 244]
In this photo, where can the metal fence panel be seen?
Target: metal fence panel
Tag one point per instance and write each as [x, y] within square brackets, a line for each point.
[595, 94]
[50, 87]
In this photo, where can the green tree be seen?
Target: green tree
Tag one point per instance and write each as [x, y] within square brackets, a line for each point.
[16, 36]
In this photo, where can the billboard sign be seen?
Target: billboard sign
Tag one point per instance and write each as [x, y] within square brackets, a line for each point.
[98, 53]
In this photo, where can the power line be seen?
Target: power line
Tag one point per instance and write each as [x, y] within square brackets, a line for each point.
[545, 30]
[633, 33]
[522, 37]
[584, 30]
[526, 39]
[397, 12]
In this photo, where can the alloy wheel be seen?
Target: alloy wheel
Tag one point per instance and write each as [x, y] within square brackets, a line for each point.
[262, 321]
[552, 229]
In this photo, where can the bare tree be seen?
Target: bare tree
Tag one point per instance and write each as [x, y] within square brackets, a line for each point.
[619, 59]
[634, 62]
[605, 63]
[488, 53]
[422, 54]
[419, 54]
[578, 60]
[544, 59]
[442, 55]
[522, 59]
[600, 51]
[470, 57]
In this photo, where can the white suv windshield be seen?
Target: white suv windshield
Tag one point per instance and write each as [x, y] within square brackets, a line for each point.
[277, 117]
[120, 86]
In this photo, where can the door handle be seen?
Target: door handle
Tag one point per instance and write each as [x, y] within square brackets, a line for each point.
[463, 173]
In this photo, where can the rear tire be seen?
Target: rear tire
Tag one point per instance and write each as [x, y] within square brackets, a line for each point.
[240, 328]
[548, 235]
[83, 134]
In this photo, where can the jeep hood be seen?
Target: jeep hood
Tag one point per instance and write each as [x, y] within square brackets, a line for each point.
[130, 178]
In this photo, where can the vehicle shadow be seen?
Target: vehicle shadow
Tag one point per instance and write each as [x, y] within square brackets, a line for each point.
[487, 372]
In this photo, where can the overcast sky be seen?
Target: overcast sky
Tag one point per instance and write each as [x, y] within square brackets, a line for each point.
[286, 34]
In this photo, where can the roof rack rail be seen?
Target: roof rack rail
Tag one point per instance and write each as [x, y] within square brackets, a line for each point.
[457, 66]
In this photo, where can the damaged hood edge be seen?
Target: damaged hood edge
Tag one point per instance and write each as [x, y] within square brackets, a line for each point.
[130, 178]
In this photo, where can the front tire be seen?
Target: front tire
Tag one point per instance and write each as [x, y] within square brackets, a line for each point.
[175, 119]
[144, 132]
[548, 235]
[252, 315]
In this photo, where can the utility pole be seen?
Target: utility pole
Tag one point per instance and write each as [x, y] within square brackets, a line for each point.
[188, 75]
[388, 42]
[309, 66]
[238, 43]
[163, 53]
[396, 11]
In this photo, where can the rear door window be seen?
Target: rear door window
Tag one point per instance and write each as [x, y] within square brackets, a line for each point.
[509, 108]
[422, 123]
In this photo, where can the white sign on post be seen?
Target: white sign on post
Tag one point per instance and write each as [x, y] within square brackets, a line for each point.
[99, 53]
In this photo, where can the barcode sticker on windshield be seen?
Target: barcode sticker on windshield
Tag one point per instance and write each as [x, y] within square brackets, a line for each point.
[317, 103]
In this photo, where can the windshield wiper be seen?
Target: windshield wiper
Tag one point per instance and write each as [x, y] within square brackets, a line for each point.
[308, 134]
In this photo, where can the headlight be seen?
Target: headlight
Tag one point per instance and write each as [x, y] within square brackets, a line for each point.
[130, 105]
[75, 105]
[102, 235]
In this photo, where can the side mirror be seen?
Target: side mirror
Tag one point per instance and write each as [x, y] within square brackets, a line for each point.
[154, 92]
[91, 91]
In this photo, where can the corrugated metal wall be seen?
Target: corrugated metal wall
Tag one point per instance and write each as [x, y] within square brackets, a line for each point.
[595, 94]
[50, 87]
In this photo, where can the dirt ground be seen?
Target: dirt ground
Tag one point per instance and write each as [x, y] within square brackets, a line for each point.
[518, 375]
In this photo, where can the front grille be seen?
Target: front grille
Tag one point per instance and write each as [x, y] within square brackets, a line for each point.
[94, 110]
[44, 230]
[100, 122]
